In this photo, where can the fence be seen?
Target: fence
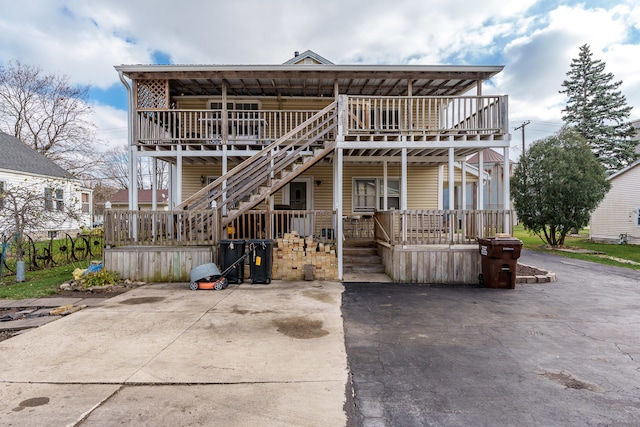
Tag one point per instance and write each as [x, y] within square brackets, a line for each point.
[433, 227]
[50, 253]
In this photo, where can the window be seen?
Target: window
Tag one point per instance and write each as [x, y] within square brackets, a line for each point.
[368, 194]
[638, 217]
[244, 118]
[59, 199]
[48, 199]
[85, 203]
[393, 194]
[52, 195]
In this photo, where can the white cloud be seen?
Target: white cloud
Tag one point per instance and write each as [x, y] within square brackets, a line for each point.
[535, 41]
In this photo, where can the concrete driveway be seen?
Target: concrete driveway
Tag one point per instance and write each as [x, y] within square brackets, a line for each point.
[163, 355]
[548, 354]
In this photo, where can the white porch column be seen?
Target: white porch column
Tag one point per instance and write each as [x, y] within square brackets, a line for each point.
[154, 183]
[481, 181]
[133, 178]
[440, 187]
[403, 181]
[385, 183]
[179, 174]
[172, 184]
[506, 202]
[337, 200]
[464, 184]
[451, 179]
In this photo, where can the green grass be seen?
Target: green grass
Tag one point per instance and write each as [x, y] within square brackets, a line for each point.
[38, 283]
[624, 252]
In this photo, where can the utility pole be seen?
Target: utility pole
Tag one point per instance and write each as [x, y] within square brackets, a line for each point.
[522, 127]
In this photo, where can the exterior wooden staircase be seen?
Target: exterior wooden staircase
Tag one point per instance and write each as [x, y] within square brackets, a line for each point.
[361, 256]
[261, 175]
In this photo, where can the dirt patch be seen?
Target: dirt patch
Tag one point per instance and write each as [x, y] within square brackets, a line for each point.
[300, 327]
[568, 381]
[525, 270]
[318, 295]
[142, 300]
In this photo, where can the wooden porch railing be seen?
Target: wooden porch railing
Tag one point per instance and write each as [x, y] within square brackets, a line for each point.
[427, 114]
[433, 227]
[201, 228]
[160, 228]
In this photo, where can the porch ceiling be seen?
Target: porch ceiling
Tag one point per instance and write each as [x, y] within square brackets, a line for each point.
[315, 80]
[371, 156]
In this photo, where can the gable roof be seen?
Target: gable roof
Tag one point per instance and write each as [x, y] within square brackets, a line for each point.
[299, 58]
[488, 156]
[19, 157]
[625, 170]
[144, 196]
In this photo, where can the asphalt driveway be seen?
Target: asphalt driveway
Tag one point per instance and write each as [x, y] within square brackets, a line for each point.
[549, 354]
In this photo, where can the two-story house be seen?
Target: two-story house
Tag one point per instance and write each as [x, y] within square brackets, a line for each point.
[337, 153]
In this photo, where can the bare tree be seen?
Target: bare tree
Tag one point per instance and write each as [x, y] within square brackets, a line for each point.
[116, 170]
[33, 207]
[49, 114]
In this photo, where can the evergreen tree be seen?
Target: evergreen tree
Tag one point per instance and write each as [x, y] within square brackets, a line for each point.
[599, 111]
[557, 185]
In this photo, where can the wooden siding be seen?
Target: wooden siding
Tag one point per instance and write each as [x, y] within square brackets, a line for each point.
[436, 264]
[616, 214]
[156, 264]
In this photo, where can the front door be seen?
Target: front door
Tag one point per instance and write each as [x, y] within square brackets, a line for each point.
[300, 200]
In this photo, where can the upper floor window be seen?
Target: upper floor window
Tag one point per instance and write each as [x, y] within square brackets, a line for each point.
[86, 203]
[244, 118]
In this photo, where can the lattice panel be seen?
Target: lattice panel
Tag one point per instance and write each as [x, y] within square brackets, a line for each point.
[152, 94]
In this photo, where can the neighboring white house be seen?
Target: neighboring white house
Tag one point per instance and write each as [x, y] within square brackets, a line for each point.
[22, 166]
[617, 218]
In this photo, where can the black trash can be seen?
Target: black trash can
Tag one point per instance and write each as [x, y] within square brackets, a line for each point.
[230, 252]
[499, 261]
[260, 254]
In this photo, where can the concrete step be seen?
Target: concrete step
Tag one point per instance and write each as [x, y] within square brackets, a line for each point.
[372, 268]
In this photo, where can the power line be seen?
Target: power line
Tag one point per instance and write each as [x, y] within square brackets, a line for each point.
[522, 127]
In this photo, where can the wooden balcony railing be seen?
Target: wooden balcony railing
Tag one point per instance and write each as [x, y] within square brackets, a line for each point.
[430, 114]
[373, 115]
[437, 227]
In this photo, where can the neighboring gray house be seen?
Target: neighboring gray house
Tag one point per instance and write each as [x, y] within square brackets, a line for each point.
[20, 165]
[617, 218]
[493, 188]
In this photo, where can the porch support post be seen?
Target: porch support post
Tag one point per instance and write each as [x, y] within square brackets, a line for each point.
[403, 181]
[480, 192]
[225, 142]
[463, 182]
[172, 198]
[481, 181]
[385, 191]
[451, 179]
[179, 174]
[506, 202]
[133, 178]
[337, 200]
[440, 187]
[154, 183]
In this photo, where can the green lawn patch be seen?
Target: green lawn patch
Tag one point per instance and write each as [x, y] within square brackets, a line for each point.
[627, 256]
[39, 283]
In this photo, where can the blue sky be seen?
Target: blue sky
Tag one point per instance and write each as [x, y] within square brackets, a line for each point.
[534, 40]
